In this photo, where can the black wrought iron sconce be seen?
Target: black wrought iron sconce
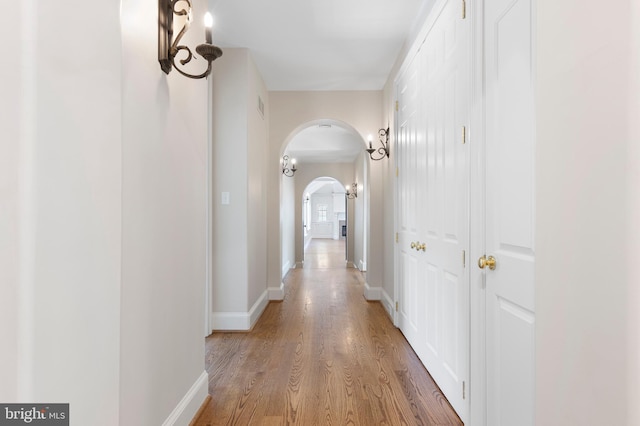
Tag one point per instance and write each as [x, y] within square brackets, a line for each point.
[289, 172]
[169, 47]
[352, 191]
[383, 136]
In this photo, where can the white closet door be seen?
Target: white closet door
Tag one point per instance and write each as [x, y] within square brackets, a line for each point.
[445, 219]
[510, 318]
[408, 146]
[433, 195]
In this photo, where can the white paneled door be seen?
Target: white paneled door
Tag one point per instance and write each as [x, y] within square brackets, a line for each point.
[509, 145]
[433, 194]
[409, 144]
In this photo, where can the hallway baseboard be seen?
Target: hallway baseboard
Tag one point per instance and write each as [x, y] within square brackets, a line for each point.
[372, 293]
[240, 321]
[362, 266]
[387, 302]
[285, 268]
[190, 404]
[276, 293]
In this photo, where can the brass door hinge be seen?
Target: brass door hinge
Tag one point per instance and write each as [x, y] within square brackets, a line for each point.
[396, 105]
[464, 9]
[397, 171]
[464, 259]
[464, 134]
[396, 306]
[396, 237]
[464, 391]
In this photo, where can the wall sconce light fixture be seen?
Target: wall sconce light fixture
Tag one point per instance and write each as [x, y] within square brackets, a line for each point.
[383, 136]
[289, 172]
[352, 191]
[169, 47]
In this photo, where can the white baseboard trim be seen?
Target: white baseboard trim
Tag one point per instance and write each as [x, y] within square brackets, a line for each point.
[188, 407]
[258, 308]
[388, 304]
[240, 321]
[285, 268]
[363, 266]
[276, 293]
[372, 293]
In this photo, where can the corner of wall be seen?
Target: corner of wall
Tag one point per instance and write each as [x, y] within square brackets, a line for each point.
[372, 293]
[388, 304]
[240, 321]
[276, 293]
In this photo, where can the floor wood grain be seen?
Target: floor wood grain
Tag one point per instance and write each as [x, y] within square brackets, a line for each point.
[323, 356]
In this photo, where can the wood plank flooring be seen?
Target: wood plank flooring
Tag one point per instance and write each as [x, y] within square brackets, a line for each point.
[322, 356]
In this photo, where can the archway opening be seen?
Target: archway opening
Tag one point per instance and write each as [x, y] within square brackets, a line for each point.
[324, 224]
[324, 149]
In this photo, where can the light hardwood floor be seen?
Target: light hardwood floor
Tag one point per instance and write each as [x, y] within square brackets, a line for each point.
[323, 356]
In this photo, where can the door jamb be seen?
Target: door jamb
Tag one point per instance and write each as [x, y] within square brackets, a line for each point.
[396, 280]
[477, 326]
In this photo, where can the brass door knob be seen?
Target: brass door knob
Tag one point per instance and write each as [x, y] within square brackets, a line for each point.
[422, 246]
[413, 245]
[490, 262]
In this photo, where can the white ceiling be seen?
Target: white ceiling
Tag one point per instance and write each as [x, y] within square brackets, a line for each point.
[318, 44]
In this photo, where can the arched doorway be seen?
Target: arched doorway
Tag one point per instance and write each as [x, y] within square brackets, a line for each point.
[324, 148]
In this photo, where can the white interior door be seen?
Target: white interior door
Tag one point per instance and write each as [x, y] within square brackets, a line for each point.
[510, 317]
[445, 218]
[408, 182]
[433, 194]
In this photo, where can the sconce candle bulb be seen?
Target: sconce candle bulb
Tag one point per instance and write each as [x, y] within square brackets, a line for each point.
[208, 25]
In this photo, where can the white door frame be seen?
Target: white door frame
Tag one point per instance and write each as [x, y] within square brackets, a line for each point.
[477, 326]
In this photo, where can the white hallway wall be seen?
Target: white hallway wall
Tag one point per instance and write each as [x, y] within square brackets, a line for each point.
[62, 154]
[239, 292]
[230, 165]
[359, 211]
[287, 221]
[164, 178]
[14, 140]
[106, 211]
[587, 220]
